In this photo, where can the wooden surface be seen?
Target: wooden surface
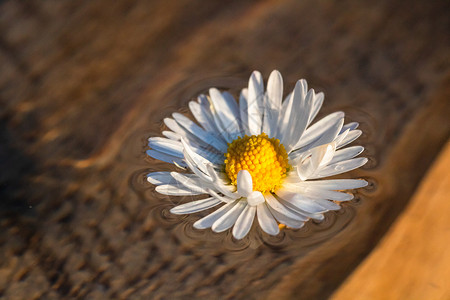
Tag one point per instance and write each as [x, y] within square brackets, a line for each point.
[412, 260]
[83, 84]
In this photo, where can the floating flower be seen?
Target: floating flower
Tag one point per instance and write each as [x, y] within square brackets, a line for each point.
[259, 157]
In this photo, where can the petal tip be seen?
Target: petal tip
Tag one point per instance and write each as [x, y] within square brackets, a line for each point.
[174, 211]
[198, 225]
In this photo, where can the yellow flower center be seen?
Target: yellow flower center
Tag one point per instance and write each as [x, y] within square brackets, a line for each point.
[265, 158]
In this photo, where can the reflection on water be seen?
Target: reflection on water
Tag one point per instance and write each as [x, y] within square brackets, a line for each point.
[312, 234]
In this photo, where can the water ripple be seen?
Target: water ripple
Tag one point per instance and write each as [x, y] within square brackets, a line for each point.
[181, 227]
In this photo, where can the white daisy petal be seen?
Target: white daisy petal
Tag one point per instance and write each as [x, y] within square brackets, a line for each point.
[227, 190]
[255, 103]
[329, 150]
[244, 183]
[215, 158]
[302, 213]
[266, 220]
[167, 146]
[224, 199]
[317, 104]
[233, 105]
[316, 130]
[287, 102]
[175, 127]
[328, 205]
[229, 218]
[300, 201]
[283, 219]
[176, 190]
[332, 184]
[200, 133]
[203, 117]
[208, 221]
[286, 109]
[255, 198]
[310, 206]
[210, 154]
[307, 168]
[303, 113]
[208, 111]
[274, 204]
[158, 178]
[171, 135]
[244, 222]
[194, 142]
[289, 190]
[243, 111]
[341, 136]
[351, 126]
[225, 136]
[166, 157]
[194, 168]
[193, 183]
[346, 154]
[272, 105]
[195, 206]
[320, 156]
[328, 195]
[294, 122]
[227, 113]
[292, 177]
[199, 161]
[328, 136]
[341, 167]
[351, 136]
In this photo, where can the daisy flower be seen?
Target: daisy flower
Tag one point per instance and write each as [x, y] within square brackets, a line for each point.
[258, 158]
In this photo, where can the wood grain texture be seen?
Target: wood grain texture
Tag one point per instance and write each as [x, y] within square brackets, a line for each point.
[324, 264]
[412, 261]
[83, 84]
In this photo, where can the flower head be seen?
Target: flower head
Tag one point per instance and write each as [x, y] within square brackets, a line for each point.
[259, 157]
[264, 158]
